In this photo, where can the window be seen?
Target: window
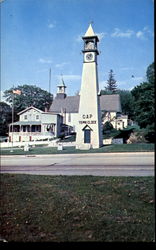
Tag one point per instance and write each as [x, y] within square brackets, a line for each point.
[25, 117]
[37, 117]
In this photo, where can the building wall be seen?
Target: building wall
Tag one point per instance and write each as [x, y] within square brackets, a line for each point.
[52, 121]
[58, 125]
[48, 118]
[30, 115]
[71, 120]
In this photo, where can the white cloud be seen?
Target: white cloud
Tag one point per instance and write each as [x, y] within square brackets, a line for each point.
[130, 82]
[79, 38]
[51, 25]
[101, 35]
[126, 68]
[43, 60]
[61, 65]
[118, 33]
[148, 31]
[138, 79]
[144, 33]
[140, 34]
[70, 77]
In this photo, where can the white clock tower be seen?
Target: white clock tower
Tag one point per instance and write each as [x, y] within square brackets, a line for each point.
[89, 133]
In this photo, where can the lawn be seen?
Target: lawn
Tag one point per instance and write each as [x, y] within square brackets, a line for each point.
[140, 147]
[74, 208]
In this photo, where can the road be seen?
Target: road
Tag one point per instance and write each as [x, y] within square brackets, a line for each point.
[103, 164]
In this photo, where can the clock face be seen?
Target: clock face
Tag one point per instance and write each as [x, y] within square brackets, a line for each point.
[89, 57]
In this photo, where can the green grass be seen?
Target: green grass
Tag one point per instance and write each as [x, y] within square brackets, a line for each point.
[142, 147]
[74, 208]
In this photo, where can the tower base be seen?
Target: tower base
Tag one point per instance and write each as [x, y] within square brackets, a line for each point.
[87, 146]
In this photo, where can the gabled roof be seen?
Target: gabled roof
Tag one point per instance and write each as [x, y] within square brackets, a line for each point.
[110, 103]
[25, 110]
[70, 104]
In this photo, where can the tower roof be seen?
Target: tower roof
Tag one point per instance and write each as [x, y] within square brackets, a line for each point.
[90, 31]
[61, 84]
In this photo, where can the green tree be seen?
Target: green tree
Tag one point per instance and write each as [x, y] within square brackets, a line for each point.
[107, 126]
[111, 83]
[5, 117]
[144, 100]
[30, 96]
[127, 103]
[144, 104]
[150, 74]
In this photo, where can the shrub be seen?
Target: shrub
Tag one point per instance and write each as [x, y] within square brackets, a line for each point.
[137, 137]
[107, 127]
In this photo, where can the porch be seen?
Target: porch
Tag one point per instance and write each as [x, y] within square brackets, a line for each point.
[29, 131]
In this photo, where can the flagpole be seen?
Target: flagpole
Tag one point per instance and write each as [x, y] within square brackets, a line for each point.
[12, 118]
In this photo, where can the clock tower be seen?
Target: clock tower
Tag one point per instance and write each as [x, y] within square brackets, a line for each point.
[89, 134]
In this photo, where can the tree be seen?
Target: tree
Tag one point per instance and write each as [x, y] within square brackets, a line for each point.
[144, 100]
[30, 96]
[144, 104]
[127, 103]
[150, 74]
[5, 117]
[111, 83]
[107, 126]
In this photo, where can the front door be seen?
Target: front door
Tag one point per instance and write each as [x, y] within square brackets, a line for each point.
[87, 135]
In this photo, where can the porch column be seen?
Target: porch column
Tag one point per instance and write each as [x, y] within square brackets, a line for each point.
[20, 138]
[42, 128]
[54, 129]
[30, 137]
[9, 133]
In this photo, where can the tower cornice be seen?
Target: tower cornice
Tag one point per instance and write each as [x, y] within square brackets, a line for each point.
[90, 37]
[90, 50]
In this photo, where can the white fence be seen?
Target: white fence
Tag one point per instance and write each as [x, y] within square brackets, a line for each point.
[53, 143]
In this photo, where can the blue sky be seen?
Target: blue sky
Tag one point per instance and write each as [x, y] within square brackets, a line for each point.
[37, 35]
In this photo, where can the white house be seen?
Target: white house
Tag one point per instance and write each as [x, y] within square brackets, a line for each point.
[34, 124]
